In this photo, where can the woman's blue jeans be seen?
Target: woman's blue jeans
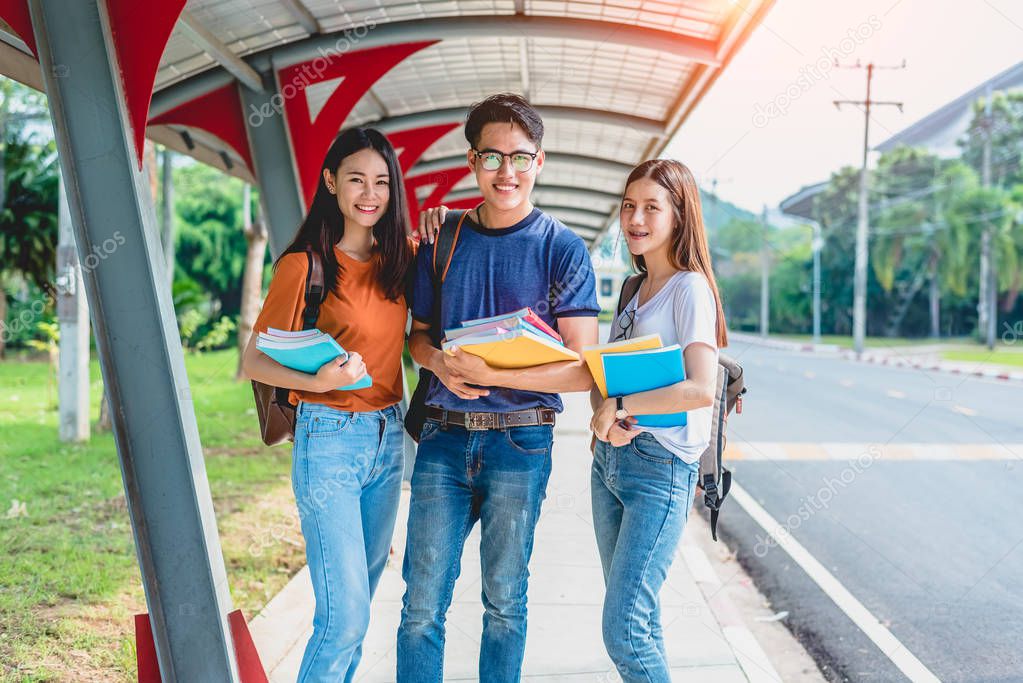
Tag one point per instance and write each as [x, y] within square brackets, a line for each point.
[346, 472]
[641, 495]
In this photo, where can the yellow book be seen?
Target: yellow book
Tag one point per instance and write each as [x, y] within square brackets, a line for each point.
[593, 353]
[512, 348]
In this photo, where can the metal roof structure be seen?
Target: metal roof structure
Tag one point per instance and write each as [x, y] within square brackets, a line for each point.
[260, 88]
[614, 80]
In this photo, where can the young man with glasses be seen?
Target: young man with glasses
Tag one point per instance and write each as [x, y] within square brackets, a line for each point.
[485, 450]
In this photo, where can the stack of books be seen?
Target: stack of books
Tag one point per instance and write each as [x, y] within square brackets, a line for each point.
[636, 365]
[305, 351]
[514, 340]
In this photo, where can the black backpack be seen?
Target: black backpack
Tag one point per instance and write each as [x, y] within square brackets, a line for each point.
[443, 251]
[715, 479]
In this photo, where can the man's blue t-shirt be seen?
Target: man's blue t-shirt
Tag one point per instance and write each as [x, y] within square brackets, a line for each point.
[537, 262]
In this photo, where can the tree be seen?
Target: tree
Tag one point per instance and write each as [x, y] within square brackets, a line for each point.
[904, 252]
[835, 209]
[1006, 130]
[252, 284]
[28, 194]
[210, 245]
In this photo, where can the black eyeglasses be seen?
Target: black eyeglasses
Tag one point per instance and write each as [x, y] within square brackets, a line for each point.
[492, 160]
[625, 324]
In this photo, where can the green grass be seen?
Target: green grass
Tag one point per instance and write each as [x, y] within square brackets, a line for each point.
[1002, 355]
[953, 349]
[847, 342]
[68, 574]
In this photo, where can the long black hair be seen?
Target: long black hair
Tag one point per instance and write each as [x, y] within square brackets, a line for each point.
[324, 225]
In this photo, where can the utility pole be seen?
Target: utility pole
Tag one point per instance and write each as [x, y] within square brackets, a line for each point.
[765, 278]
[817, 245]
[862, 224]
[987, 303]
[713, 218]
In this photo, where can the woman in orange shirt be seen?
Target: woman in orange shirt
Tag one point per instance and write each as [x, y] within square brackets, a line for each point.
[347, 456]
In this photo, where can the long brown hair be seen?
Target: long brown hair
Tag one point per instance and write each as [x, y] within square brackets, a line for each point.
[324, 225]
[688, 248]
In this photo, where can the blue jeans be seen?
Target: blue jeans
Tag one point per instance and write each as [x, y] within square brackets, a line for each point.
[641, 496]
[496, 477]
[346, 472]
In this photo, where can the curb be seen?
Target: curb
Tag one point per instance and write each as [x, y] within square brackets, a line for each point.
[884, 358]
[752, 659]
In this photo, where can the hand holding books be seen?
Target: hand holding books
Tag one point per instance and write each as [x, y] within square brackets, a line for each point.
[464, 374]
[339, 372]
[315, 352]
[634, 366]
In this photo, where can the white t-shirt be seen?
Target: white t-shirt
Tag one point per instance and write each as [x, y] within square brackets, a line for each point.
[683, 312]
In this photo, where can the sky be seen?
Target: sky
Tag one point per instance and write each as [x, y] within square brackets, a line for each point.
[768, 126]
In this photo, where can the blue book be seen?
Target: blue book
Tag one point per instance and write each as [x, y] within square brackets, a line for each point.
[631, 373]
[305, 351]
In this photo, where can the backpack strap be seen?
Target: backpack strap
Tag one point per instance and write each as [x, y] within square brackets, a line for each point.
[443, 252]
[712, 475]
[630, 286]
[726, 484]
[314, 289]
[313, 297]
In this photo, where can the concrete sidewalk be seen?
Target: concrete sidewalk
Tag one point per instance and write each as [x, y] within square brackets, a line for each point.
[705, 637]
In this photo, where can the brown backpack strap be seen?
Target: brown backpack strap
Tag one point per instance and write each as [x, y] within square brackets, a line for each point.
[629, 288]
[444, 244]
[444, 247]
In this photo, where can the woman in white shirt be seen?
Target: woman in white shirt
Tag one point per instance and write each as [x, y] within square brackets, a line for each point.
[643, 479]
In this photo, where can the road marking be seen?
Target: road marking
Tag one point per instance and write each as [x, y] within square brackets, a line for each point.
[895, 393]
[963, 410]
[898, 653]
[846, 382]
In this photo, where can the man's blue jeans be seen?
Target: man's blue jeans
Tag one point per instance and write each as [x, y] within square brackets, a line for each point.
[641, 496]
[499, 478]
[346, 472]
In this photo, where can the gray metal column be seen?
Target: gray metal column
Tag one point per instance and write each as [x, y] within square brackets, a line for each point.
[154, 423]
[275, 165]
[73, 317]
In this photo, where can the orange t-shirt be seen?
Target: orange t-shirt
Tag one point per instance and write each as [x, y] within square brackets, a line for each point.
[362, 320]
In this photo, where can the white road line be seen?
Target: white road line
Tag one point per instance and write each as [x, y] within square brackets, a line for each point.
[963, 410]
[839, 594]
[846, 382]
[895, 393]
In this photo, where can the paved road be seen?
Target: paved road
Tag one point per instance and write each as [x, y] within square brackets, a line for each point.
[906, 485]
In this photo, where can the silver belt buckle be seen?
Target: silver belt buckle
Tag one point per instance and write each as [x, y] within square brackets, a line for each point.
[477, 422]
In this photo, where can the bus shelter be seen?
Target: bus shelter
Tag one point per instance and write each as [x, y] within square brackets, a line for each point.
[259, 88]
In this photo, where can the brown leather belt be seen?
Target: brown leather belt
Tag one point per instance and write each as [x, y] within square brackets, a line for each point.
[475, 422]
